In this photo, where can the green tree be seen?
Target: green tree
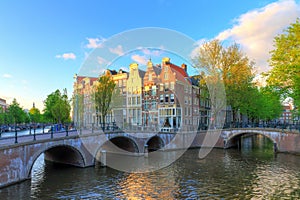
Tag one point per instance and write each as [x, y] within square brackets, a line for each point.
[78, 108]
[264, 104]
[2, 116]
[35, 115]
[227, 65]
[285, 61]
[57, 107]
[103, 96]
[16, 113]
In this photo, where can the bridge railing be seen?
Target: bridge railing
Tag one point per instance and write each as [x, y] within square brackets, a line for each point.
[44, 131]
[292, 127]
[65, 130]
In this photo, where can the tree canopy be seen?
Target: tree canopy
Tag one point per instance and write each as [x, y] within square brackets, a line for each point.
[103, 96]
[285, 61]
[35, 115]
[57, 107]
[15, 113]
[227, 65]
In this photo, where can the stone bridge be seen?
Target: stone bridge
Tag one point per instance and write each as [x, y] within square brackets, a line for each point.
[83, 149]
[283, 141]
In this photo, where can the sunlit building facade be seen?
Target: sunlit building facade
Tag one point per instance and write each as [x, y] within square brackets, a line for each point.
[162, 98]
[134, 89]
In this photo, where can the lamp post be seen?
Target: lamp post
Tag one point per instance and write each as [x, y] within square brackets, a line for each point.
[16, 134]
[34, 132]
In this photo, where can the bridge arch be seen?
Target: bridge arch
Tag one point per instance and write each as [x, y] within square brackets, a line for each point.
[118, 145]
[155, 143]
[59, 153]
[233, 139]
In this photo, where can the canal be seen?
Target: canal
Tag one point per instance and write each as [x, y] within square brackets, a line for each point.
[252, 172]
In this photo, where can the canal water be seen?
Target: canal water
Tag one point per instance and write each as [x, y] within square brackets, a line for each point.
[253, 172]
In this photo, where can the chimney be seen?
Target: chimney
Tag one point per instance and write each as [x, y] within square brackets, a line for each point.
[184, 66]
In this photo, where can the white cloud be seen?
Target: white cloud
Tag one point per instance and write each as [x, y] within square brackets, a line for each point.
[139, 59]
[101, 60]
[256, 29]
[95, 43]
[67, 56]
[7, 76]
[152, 52]
[197, 45]
[118, 50]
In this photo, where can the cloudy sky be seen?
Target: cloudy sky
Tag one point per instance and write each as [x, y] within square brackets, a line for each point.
[44, 43]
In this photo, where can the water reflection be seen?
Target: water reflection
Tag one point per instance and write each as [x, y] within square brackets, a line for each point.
[254, 172]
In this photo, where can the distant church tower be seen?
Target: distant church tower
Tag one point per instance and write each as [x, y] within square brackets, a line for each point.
[33, 105]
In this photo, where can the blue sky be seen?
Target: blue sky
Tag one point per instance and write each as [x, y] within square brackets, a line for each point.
[44, 43]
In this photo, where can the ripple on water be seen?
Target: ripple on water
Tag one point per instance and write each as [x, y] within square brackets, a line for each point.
[229, 174]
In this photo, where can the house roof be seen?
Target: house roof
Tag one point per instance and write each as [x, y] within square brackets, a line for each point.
[181, 74]
[157, 70]
[141, 73]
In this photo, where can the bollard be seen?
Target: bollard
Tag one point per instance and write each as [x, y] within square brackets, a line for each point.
[92, 128]
[34, 134]
[43, 128]
[51, 132]
[146, 151]
[16, 136]
[30, 129]
[103, 158]
[275, 147]
[67, 133]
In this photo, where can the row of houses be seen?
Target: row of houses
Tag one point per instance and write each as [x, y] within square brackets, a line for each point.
[162, 98]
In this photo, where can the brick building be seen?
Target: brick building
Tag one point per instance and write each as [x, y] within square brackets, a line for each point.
[162, 98]
[3, 104]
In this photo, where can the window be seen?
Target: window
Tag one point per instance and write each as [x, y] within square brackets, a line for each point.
[166, 86]
[172, 99]
[185, 100]
[172, 86]
[166, 76]
[153, 106]
[161, 87]
[153, 90]
[167, 98]
[146, 106]
[133, 100]
[161, 98]
[138, 100]
[150, 76]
